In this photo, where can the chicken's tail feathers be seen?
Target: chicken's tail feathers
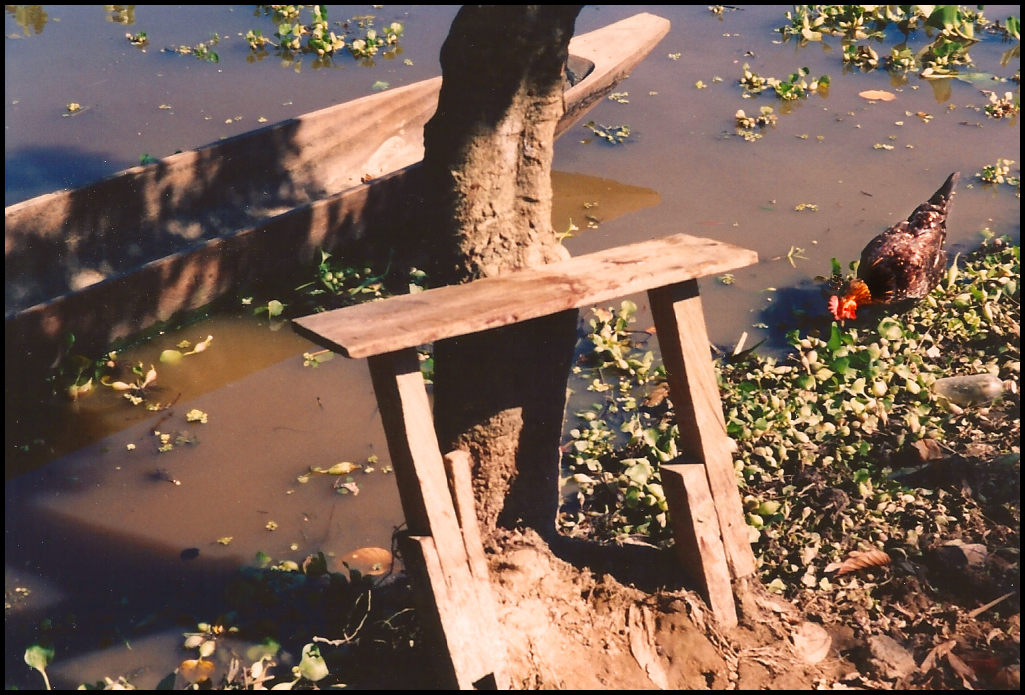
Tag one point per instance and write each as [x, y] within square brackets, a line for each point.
[941, 197]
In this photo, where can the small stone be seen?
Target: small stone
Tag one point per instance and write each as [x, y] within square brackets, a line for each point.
[889, 660]
[959, 554]
[811, 642]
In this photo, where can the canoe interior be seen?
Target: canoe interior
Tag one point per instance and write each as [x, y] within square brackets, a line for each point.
[108, 260]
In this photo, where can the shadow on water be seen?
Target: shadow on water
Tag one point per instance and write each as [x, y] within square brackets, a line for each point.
[802, 307]
[30, 171]
[111, 548]
[102, 584]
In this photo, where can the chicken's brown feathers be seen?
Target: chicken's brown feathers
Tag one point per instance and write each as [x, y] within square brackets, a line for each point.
[907, 261]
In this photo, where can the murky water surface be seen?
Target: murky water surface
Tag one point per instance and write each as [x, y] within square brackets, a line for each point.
[97, 535]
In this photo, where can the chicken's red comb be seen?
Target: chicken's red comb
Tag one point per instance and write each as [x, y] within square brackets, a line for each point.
[843, 308]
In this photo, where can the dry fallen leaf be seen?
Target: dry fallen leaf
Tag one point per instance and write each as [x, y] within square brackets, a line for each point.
[1009, 677]
[983, 664]
[962, 669]
[938, 652]
[342, 468]
[657, 395]
[370, 561]
[196, 670]
[859, 561]
[928, 449]
[878, 95]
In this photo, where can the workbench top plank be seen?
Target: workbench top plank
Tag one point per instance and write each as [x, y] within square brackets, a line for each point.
[415, 319]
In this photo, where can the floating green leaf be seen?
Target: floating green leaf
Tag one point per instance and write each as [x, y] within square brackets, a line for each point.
[312, 666]
[171, 357]
[39, 657]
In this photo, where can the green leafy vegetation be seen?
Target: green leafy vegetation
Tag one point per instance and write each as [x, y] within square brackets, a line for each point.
[746, 124]
[794, 87]
[39, 657]
[953, 30]
[138, 39]
[202, 51]
[765, 118]
[1000, 107]
[294, 39]
[337, 284]
[614, 135]
[828, 439]
[1000, 173]
[291, 625]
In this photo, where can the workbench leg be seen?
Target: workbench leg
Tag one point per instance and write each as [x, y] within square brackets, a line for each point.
[683, 339]
[462, 618]
[699, 545]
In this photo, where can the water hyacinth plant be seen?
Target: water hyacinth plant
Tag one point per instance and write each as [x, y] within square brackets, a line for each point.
[794, 87]
[293, 39]
[952, 29]
[822, 436]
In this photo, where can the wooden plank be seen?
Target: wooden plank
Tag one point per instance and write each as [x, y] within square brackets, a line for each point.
[683, 340]
[457, 468]
[416, 458]
[451, 619]
[211, 220]
[469, 628]
[119, 307]
[696, 530]
[211, 192]
[410, 320]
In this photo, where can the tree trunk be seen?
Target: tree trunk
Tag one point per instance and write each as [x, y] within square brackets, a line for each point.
[488, 153]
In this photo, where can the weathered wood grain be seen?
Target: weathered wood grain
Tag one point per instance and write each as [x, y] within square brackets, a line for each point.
[209, 221]
[410, 320]
[457, 468]
[446, 587]
[683, 340]
[696, 531]
[451, 619]
[413, 446]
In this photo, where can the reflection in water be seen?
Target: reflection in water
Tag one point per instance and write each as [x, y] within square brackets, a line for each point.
[587, 201]
[106, 526]
[241, 346]
[31, 18]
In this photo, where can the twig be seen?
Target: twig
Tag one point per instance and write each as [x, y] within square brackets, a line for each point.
[982, 609]
[740, 344]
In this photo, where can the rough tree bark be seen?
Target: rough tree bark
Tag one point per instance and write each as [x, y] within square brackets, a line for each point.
[501, 394]
[488, 154]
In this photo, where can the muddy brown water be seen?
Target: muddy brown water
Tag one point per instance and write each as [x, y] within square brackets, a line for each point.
[97, 533]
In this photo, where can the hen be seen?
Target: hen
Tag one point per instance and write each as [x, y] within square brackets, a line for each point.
[905, 262]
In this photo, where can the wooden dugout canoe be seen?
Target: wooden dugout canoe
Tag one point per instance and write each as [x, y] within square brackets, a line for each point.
[113, 258]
